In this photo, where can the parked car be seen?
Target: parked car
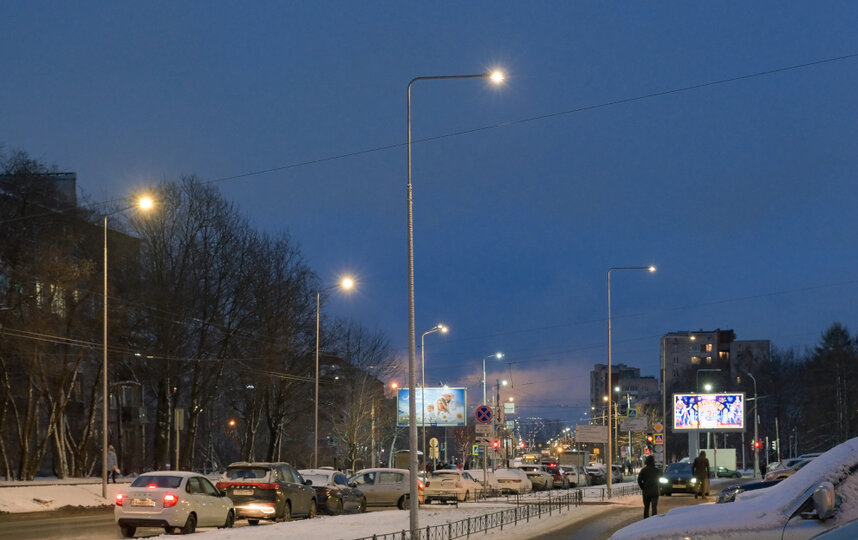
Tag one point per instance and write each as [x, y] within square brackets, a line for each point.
[558, 475]
[677, 477]
[781, 473]
[539, 479]
[577, 476]
[385, 487]
[447, 485]
[271, 491]
[597, 475]
[513, 481]
[817, 499]
[334, 495]
[171, 500]
[729, 493]
[489, 481]
[724, 472]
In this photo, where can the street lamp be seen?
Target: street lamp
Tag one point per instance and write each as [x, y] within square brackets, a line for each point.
[756, 435]
[437, 328]
[346, 283]
[610, 448]
[144, 203]
[497, 355]
[707, 387]
[495, 77]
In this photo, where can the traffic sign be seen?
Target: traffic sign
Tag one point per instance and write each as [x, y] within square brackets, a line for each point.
[658, 438]
[483, 414]
[483, 441]
[483, 429]
[659, 427]
[633, 412]
[433, 443]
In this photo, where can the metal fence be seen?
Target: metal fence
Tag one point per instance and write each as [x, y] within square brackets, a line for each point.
[524, 511]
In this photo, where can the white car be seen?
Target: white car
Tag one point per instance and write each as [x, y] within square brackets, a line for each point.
[577, 476]
[448, 485]
[539, 478]
[821, 496]
[489, 483]
[172, 500]
[513, 481]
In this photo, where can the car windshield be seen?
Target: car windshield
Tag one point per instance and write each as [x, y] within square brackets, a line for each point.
[157, 481]
[448, 474]
[678, 468]
[240, 473]
[317, 479]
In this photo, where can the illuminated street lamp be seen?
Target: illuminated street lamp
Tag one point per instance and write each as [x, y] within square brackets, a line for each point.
[495, 77]
[497, 355]
[144, 203]
[346, 283]
[610, 446]
[437, 328]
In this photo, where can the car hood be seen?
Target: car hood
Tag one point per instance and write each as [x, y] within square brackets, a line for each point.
[752, 511]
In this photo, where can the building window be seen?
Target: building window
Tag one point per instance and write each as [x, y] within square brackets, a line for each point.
[723, 355]
[708, 347]
[675, 346]
[695, 359]
[708, 359]
[694, 347]
[675, 360]
[676, 373]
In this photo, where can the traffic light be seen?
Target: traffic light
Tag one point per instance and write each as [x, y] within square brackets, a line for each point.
[755, 444]
[774, 446]
[649, 438]
[496, 445]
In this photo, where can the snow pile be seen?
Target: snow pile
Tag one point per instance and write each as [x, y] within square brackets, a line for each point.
[43, 496]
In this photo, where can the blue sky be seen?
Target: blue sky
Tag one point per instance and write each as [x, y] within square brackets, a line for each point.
[741, 193]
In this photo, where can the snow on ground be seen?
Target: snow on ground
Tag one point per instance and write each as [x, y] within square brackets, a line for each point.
[47, 494]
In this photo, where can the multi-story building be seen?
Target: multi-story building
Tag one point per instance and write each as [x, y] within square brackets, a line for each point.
[641, 390]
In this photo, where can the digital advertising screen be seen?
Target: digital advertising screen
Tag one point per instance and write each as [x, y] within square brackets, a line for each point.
[717, 412]
[442, 407]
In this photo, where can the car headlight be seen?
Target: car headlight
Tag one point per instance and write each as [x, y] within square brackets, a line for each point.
[662, 480]
[693, 480]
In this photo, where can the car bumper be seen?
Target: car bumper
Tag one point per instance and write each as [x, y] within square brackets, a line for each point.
[256, 511]
[444, 496]
[145, 522]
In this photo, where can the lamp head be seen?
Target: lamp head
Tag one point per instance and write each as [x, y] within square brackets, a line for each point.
[347, 283]
[499, 355]
[652, 269]
[443, 329]
[497, 76]
[145, 202]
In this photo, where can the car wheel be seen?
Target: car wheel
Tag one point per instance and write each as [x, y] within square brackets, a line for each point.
[190, 525]
[312, 512]
[127, 532]
[339, 508]
[253, 522]
[362, 507]
[467, 495]
[170, 530]
[287, 511]
[403, 503]
[230, 521]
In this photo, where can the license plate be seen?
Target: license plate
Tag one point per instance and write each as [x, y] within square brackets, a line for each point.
[242, 492]
[142, 502]
[679, 485]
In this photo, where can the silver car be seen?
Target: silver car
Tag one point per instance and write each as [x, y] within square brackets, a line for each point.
[385, 487]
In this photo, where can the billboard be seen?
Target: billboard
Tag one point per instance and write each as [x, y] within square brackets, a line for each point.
[709, 411]
[443, 407]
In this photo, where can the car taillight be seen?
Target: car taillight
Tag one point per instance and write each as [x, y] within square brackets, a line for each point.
[170, 500]
[221, 485]
[427, 483]
[420, 485]
[119, 498]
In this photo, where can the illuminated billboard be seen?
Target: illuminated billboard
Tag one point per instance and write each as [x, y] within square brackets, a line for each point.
[718, 412]
[443, 407]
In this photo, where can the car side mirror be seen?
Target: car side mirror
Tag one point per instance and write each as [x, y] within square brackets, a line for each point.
[823, 500]
[308, 482]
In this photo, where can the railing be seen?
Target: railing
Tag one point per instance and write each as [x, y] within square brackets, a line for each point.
[524, 511]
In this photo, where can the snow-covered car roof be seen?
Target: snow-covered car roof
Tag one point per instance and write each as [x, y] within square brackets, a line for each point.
[759, 510]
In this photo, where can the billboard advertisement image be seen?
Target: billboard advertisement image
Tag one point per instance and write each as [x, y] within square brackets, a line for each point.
[709, 411]
[443, 407]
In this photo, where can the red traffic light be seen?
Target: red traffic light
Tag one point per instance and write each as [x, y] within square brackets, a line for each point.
[496, 445]
[649, 438]
[756, 444]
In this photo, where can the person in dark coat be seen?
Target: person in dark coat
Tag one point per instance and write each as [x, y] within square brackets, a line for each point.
[648, 481]
[700, 470]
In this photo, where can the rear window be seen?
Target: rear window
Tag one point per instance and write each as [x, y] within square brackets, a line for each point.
[158, 481]
[316, 479]
[246, 473]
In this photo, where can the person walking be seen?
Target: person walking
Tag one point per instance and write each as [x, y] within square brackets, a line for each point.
[112, 463]
[700, 470]
[648, 481]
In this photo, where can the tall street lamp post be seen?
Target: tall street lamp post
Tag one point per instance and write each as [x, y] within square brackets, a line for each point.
[345, 283]
[437, 328]
[498, 355]
[145, 203]
[412, 369]
[756, 435]
[708, 388]
[610, 448]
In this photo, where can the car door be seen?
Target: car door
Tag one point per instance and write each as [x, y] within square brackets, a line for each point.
[218, 503]
[366, 483]
[199, 503]
[391, 486]
[306, 493]
[292, 490]
[347, 494]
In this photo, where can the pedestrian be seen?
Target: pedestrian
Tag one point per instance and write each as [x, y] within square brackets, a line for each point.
[700, 470]
[112, 464]
[648, 481]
